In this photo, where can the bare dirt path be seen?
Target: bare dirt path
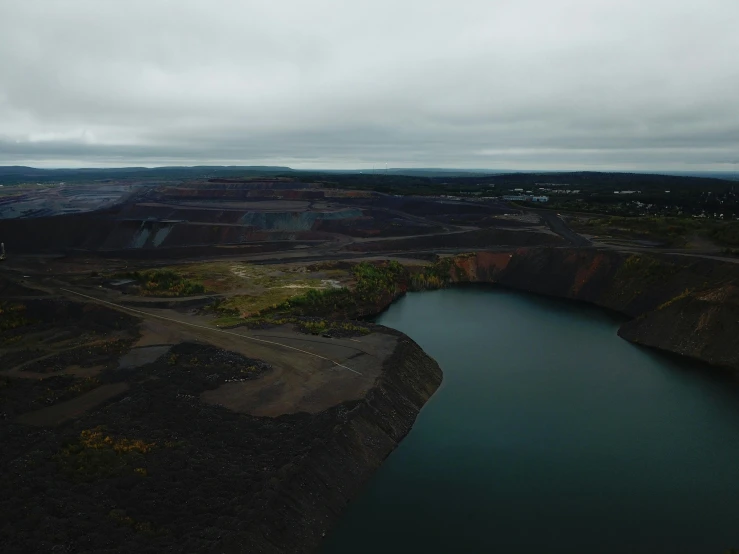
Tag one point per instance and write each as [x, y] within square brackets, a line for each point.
[211, 329]
[17, 371]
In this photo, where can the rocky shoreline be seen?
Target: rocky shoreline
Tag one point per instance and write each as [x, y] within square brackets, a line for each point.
[685, 306]
[682, 305]
[313, 493]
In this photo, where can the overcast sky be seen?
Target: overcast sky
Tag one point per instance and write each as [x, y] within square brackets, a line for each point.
[519, 84]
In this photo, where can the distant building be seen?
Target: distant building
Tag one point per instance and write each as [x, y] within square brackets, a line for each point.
[526, 198]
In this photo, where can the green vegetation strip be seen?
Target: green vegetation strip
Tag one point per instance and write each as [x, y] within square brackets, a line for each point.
[97, 454]
[672, 231]
[374, 285]
[163, 282]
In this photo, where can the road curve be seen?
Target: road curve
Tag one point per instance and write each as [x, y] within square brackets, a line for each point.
[556, 224]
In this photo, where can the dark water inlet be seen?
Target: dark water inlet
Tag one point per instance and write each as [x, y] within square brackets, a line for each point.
[550, 434]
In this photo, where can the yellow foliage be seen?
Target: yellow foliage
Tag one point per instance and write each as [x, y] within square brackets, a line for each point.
[97, 439]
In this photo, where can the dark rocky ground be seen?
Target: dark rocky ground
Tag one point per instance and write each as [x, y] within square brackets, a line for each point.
[153, 468]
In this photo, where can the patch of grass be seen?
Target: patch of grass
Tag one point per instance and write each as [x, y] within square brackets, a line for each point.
[330, 327]
[684, 294]
[13, 316]
[268, 287]
[375, 281]
[224, 277]
[725, 233]
[228, 321]
[374, 285]
[316, 327]
[315, 302]
[646, 269]
[96, 454]
[434, 276]
[164, 282]
[142, 527]
[247, 305]
[672, 231]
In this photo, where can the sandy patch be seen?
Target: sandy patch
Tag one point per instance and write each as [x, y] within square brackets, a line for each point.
[310, 387]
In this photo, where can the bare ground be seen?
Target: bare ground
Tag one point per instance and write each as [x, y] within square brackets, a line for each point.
[313, 387]
[64, 411]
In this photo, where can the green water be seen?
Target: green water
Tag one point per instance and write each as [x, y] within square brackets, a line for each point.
[550, 434]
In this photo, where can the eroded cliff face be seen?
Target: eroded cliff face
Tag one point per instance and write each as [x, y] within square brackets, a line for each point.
[703, 325]
[689, 306]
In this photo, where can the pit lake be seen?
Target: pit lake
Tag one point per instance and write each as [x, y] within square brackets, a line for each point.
[550, 434]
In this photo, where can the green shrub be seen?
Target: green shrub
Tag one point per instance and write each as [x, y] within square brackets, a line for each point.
[436, 275]
[13, 316]
[374, 282]
[164, 282]
[725, 234]
[645, 269]
[95, 454]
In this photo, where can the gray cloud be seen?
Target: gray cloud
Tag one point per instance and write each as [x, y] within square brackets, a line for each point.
[627, 84]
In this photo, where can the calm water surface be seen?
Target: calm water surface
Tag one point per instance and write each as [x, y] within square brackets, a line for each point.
[550, 434]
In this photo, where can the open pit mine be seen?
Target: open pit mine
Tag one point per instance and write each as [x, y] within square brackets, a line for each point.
[192, 366]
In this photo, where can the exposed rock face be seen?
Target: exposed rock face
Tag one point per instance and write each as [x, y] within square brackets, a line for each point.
[689, 306]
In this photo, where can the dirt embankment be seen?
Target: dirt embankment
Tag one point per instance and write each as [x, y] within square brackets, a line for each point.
[312, 493]
[683, 305]
[158, 470]
[138, 462]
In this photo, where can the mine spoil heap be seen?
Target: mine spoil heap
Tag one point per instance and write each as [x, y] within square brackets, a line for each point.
[112, 443]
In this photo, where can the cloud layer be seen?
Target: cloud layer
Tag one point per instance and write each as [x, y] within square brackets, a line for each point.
[523, 84]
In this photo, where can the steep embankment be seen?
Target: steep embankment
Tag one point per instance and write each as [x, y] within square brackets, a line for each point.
[688, 306]
[312, 493]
